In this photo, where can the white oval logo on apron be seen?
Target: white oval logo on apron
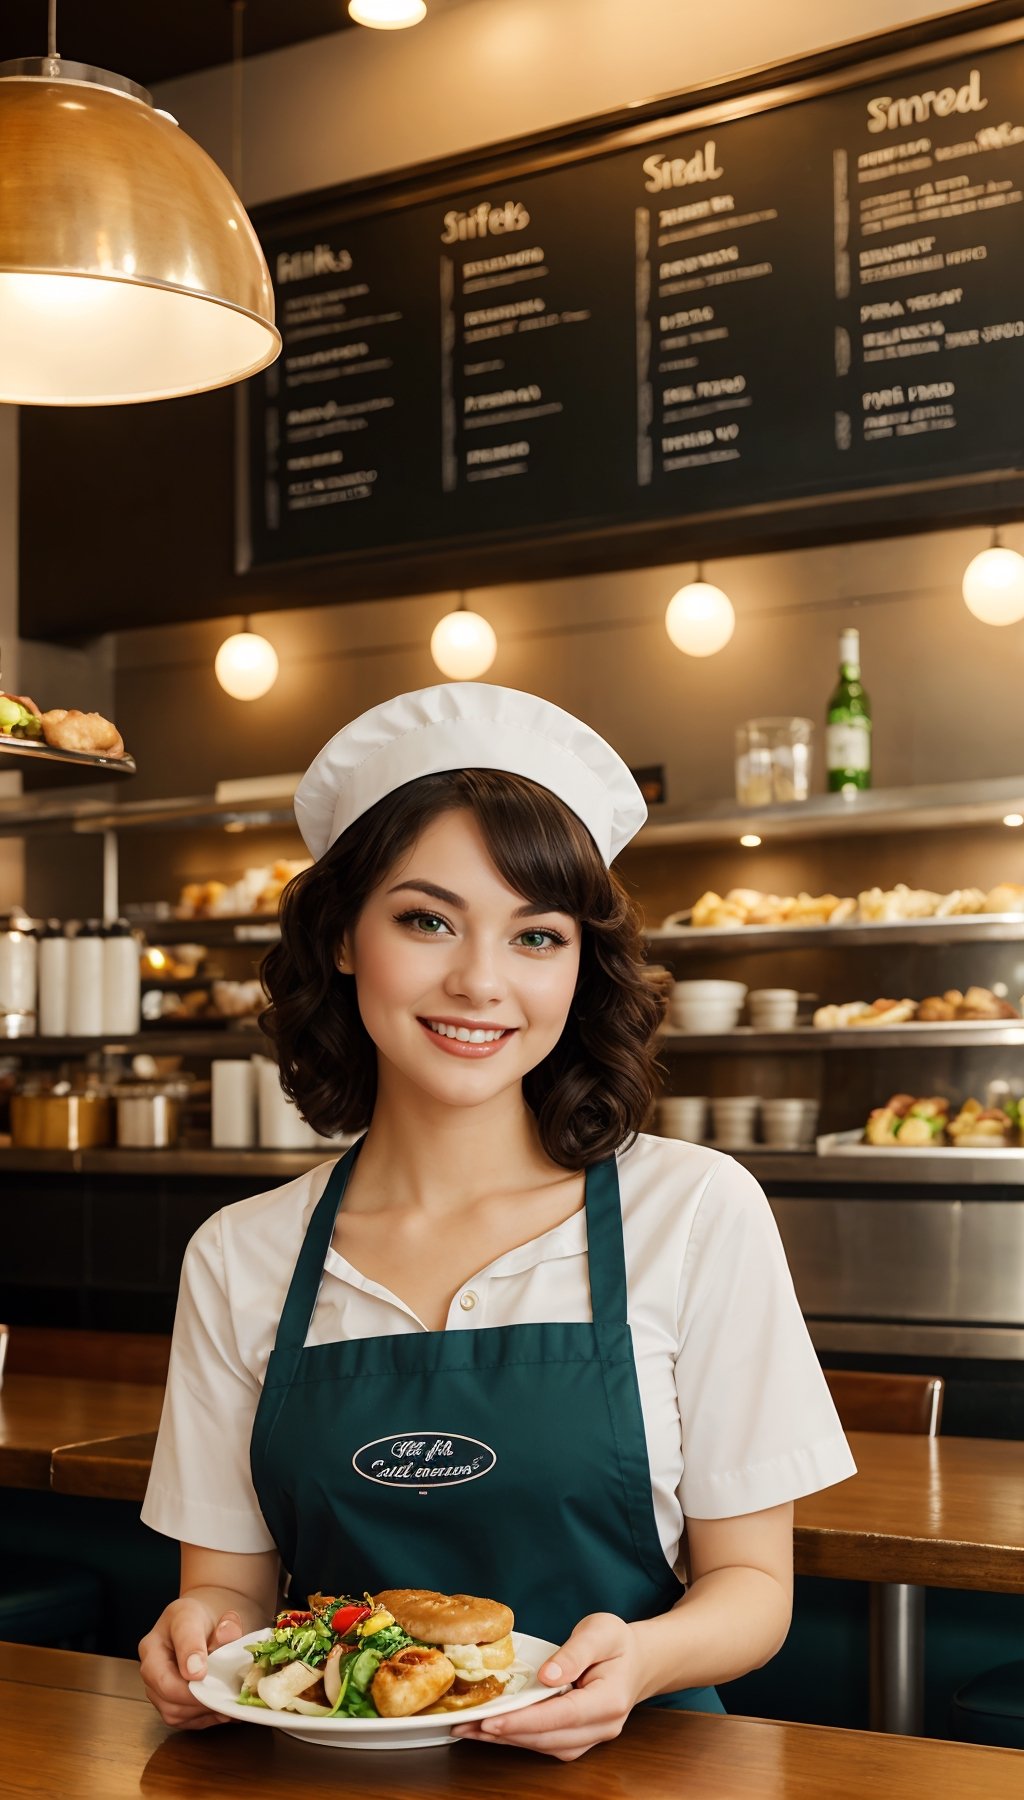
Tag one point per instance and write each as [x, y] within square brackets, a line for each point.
[422, 1460]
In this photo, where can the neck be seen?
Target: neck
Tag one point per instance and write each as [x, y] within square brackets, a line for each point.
[445, 1158]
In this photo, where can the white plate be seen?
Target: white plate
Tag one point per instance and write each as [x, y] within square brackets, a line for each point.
[223, 1680]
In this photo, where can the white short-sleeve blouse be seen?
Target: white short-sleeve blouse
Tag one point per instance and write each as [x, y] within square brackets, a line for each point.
[737, 1413]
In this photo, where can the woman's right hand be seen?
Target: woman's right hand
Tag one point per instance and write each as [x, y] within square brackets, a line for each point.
[175, 1653]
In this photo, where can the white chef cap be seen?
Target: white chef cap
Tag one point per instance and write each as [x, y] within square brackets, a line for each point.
[468, 725]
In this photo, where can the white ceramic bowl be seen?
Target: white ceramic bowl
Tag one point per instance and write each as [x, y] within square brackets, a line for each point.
[709, 990]
[704, 1015]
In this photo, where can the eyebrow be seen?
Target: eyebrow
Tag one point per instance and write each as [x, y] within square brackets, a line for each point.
[439, 893]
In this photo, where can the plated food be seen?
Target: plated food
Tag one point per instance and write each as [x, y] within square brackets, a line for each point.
[749, 906]
[404, 1651]
[906, 1123]
[953, 1007]
[389, 1671]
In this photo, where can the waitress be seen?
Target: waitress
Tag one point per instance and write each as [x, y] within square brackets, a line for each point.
[507, 1344]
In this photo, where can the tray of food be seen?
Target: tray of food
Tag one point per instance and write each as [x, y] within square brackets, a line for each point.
[62, 733]
[747, 909]
[383, 1672]
[976, 1006]
[909, 1125]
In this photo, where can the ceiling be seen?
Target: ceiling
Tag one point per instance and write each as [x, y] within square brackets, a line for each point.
[154, 40]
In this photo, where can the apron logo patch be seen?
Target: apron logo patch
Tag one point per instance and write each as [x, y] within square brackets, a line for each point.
[424, 1459]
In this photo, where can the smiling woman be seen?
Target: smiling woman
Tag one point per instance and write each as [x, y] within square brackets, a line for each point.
[508, 1343]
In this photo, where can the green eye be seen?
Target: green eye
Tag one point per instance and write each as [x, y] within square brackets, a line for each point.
[534, 940]
[428, 924]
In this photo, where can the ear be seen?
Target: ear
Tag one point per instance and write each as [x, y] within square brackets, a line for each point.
[343, 956]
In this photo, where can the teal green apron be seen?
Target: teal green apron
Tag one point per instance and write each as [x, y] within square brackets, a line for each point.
[510, 1461]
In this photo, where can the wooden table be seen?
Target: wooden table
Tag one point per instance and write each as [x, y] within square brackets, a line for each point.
[920, 1512]
[41, 1414]
[79, 1725]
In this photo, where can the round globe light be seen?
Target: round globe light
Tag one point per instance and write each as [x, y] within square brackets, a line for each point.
[387, 15]
[463, 645]
[994, 587]
[700, 619]
[246, 666]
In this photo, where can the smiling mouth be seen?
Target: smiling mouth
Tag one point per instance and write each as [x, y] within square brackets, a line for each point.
[466, 1034]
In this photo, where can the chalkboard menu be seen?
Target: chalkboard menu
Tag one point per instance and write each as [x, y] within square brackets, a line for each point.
[758, 315]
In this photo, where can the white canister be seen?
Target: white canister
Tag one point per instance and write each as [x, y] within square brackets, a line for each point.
[85, 981]
[18, 970]
[233, 1104]
[281, 1125]
[122, 986]
[53, 980]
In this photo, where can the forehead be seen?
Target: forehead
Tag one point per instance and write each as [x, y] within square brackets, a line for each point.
[450, 849]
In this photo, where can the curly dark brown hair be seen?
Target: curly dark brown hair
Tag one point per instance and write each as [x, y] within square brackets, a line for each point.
[593, 1091]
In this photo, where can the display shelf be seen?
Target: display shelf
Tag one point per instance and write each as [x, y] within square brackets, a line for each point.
[199, 1160]
[956, 804]
[946, 1168]
[880, 810]
[967, 928]
[28, 751]
[189, 1040]
[217, 932]
[744, 1040]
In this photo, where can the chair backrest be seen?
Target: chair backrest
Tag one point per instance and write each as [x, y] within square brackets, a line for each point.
[867, 1400]
[89, 1355]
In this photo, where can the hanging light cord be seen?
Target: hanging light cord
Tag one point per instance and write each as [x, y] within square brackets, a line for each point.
[51, 32]
[237, 28]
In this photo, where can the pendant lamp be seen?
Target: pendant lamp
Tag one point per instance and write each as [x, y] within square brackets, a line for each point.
[128, 266]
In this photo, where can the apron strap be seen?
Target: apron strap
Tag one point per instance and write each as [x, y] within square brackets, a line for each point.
[605, 1252]
[308, 1275]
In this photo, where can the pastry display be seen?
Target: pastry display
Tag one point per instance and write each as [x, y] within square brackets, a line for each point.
[906, 1123]
[952, 1007]
[748, 906]
[255, 891]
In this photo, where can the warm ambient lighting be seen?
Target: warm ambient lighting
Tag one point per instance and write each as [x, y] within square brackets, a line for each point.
[463, 645]
[128, 266]
[1014, 819]
[699, 618]
[246, 666]
[387, 15]
[993, 585]
[750, 840]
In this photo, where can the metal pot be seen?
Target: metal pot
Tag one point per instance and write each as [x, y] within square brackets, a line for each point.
[148, 1118]
[60, 1121]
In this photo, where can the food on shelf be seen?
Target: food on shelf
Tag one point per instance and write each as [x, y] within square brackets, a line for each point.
[89, 734]
[978, 1127]
[906, 1123]
[950, 1007]
[256, 891]
[221, 1000]
[748, 906]
[161, 962]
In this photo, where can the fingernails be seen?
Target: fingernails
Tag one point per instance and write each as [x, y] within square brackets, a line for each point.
[551, 1672]
[194, 1666]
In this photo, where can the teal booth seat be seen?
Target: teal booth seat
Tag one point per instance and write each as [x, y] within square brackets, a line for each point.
[990, 1708]
[48, 1602]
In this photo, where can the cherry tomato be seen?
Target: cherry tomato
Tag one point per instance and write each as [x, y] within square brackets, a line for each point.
[347, 1616]
[294, 1618]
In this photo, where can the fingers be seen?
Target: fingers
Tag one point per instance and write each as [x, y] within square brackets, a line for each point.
[175, 1652]
[595, 1638]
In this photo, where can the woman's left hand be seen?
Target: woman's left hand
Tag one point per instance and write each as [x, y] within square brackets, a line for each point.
[602, 1659]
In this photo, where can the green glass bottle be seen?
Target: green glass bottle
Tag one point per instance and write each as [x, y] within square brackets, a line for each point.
[848, 723]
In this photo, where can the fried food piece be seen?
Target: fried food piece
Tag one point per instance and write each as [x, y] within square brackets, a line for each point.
[981, 1003]
[914, 1133]
[464, 1693]
[881, 1126]
[411, 1680]
[1008, 897]
[887, 1012]
[938, 1007]
[89, 733]
[901, 1104]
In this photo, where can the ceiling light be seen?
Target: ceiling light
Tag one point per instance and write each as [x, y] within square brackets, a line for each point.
[128, 266]
[463, 645]
[387, 15]
[993, 585]
[699, 618]
[750, 840]
[246, 666]
[1014, 819]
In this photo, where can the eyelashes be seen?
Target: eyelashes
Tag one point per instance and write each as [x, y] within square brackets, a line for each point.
[556, 940]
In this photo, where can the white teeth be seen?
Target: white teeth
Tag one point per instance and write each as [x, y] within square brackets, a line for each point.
[464, 1035]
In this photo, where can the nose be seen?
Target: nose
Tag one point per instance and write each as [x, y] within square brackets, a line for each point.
[474, 974]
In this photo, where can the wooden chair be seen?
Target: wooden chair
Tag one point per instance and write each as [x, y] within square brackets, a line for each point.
[867, 1400]
[870, 1401]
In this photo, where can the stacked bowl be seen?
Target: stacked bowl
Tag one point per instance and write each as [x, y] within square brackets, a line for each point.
[706, 1005]
[789, 1124]
[683, 1116]
[773, 1009]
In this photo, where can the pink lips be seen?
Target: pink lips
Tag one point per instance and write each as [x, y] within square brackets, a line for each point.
[473, 1051]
